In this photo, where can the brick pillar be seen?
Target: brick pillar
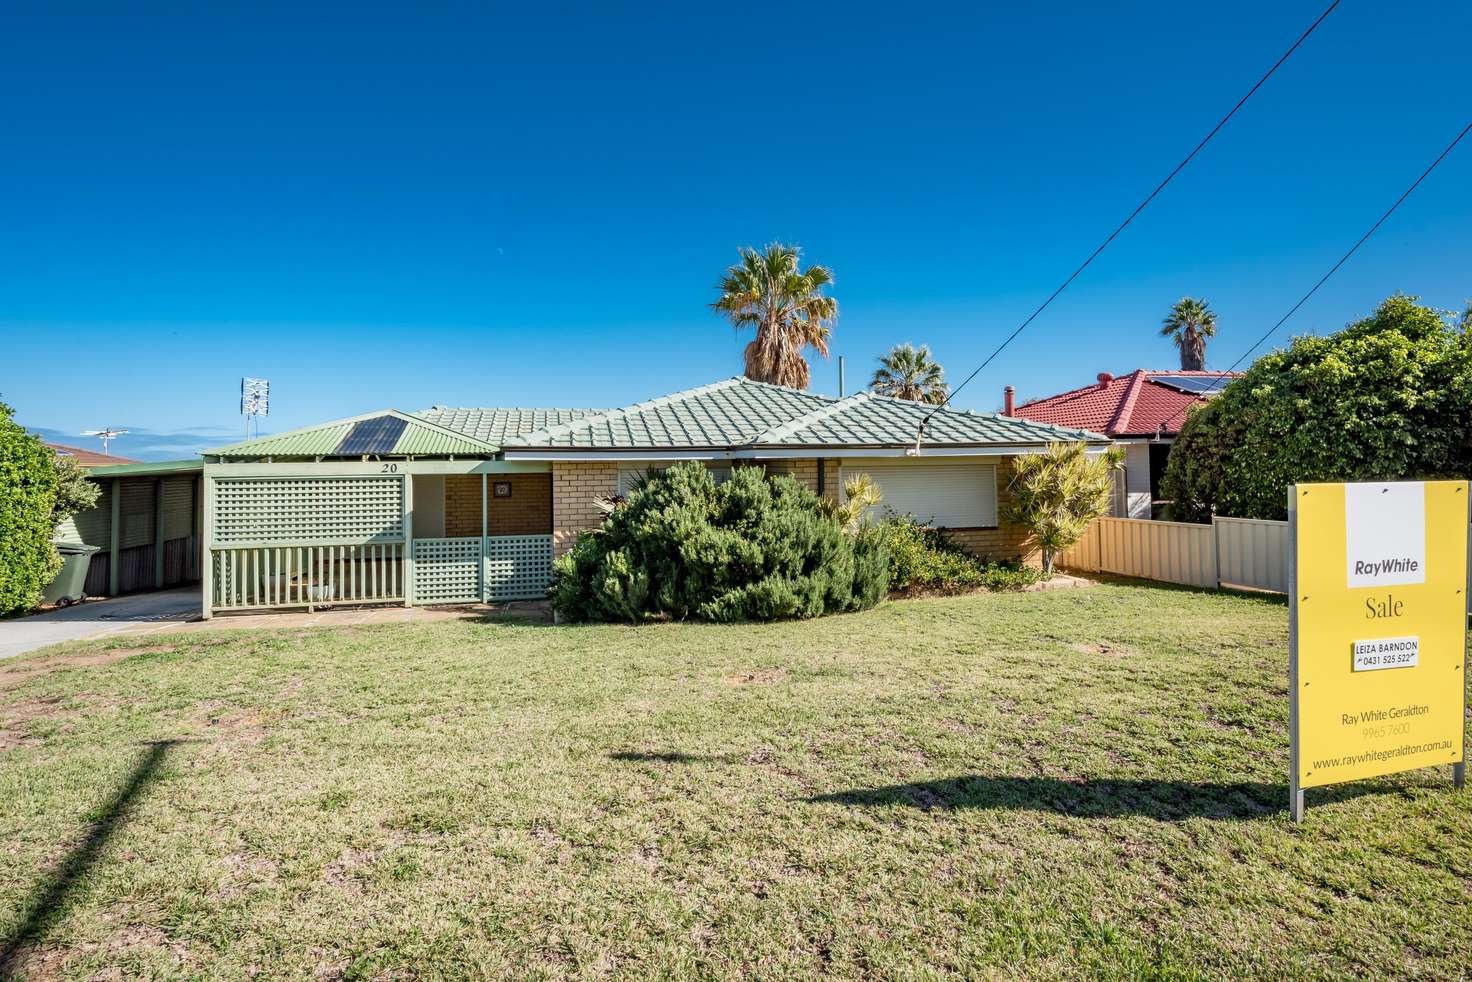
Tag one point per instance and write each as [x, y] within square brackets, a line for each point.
[574, 486]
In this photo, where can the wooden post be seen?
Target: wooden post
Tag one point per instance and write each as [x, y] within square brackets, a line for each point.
[158, 533]
[485, 530]
[408, 540]
[114, 533]
[206, 556]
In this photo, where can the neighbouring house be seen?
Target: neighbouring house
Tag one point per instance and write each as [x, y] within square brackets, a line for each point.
[463, 505]
[88, 458]
[1141, 412]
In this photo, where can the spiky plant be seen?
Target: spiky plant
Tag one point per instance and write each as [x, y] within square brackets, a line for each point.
[1189, 323]
[908, 372]
[860, 494]
[1056, 494]
[769, 291]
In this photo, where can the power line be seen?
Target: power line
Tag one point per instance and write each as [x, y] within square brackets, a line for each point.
[1124, 224]
[1325, 278]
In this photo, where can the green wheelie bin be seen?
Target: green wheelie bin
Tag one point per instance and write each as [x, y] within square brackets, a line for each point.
[69, 587]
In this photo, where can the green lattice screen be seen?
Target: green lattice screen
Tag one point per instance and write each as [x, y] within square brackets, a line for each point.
[309, 510]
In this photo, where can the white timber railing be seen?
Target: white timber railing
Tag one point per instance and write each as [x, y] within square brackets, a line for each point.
[263, 577]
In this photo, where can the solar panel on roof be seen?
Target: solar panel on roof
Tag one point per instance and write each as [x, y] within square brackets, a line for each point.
[1194, 384]
[377, 435]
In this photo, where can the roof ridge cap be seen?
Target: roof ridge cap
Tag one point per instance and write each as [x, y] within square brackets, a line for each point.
[1127, 404]
[802, 422]
[610, 415]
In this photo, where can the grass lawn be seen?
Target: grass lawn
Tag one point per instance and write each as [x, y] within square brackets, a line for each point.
[1075, 784]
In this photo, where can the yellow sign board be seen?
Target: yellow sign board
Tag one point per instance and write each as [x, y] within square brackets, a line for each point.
[1377, 628]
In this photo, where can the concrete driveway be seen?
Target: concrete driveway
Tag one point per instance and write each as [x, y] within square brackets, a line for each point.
[137, 614]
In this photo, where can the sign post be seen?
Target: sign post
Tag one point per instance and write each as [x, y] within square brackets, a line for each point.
[1377, 631]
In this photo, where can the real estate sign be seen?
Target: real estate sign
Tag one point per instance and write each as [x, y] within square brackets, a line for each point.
[1377, 630]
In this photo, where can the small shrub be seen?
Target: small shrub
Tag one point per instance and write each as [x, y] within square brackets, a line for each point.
[750, 549]
[921, 557]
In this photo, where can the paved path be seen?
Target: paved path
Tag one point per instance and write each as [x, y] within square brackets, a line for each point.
[137, 614]
[169, 610]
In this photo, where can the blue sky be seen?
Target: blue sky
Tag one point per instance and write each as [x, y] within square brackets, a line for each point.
[496, 205]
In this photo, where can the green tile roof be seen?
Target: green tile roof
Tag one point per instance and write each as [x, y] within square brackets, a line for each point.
[866, 419]
[499, 425]
[725, 414]
[740, 413]
[420, 437]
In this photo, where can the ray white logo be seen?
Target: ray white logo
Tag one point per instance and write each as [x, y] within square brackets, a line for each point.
[1385, 533]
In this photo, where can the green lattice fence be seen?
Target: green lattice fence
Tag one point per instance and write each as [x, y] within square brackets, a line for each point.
[447, 570]
[308, 510]
[518, 567]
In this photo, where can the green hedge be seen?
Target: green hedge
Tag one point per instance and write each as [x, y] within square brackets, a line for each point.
[752, 548]
[28, 484]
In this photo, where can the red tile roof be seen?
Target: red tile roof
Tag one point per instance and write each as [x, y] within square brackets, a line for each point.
[1127, 405]
[89, 458]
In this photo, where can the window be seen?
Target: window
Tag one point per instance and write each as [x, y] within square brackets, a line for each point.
[945, 493]
[628, 475]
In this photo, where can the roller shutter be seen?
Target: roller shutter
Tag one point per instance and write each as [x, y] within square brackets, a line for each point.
[946, 493]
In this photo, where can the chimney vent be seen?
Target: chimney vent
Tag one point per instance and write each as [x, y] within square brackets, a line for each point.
[1009, 401]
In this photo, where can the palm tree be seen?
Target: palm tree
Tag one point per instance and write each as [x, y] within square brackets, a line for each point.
[1189, 323]
[908, 372]
[768, 291]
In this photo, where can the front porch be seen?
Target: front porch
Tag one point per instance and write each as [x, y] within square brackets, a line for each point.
[312, 534]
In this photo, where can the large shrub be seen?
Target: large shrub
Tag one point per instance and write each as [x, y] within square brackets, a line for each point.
[28, 483]
[749, 549]
[925, 558]
[1388, 397]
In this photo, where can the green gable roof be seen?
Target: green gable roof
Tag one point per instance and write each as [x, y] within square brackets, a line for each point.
[400, 435]
[725, 414]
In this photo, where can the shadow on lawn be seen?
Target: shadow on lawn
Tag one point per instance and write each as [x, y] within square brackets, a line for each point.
[659, 757]
[51, 893]
[1170, 801]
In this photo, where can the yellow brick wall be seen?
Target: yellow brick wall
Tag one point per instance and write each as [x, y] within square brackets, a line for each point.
[527, 512]
[574, 486]
[806, 471]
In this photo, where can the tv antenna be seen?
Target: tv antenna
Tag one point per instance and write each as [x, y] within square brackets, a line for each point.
[106, 435]
[255, 401]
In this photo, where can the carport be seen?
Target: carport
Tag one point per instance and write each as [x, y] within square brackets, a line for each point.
[146, 526]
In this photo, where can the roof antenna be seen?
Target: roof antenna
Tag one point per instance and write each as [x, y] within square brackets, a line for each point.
[840, 376]
[107, 435]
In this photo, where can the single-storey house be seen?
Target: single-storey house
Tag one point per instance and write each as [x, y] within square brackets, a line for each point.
[457, 505]
[1141, 412]
[88, 458]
